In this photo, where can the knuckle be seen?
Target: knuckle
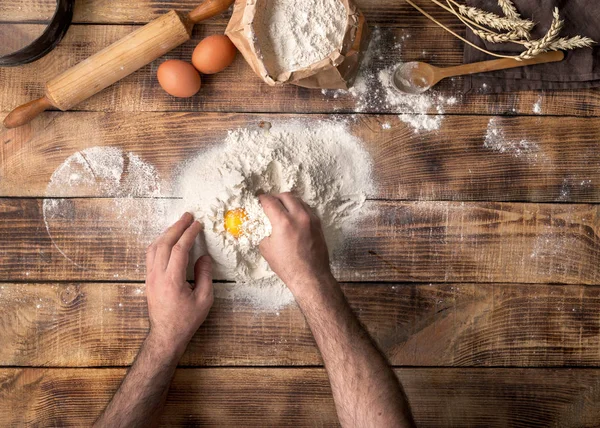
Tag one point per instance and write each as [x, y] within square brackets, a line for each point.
[285, 221]
[177, 248]
[304, 219]
[163, 246]
[207, 295]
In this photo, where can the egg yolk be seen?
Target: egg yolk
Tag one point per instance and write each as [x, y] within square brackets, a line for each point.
[234, 220]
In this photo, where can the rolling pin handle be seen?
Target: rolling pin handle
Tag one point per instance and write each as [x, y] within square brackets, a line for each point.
[208, 9]
[27, 112]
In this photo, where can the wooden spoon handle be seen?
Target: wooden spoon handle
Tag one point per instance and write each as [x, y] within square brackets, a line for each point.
[27, 112]
[499, 64]
[208, 9]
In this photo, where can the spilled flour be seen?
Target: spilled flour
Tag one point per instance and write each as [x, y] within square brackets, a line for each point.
[105, 171]
[373, 89]
[297, 33]
[496, 140]
[322, 162]
[128, 184]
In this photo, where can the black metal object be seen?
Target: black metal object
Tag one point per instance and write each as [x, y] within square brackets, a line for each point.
[47, 41]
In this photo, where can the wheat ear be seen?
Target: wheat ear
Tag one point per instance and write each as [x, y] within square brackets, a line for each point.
[427, 15]
[568, 43]
[513, 36]
[488, 36]
[543, 45]
[509, 9]
[492, 20]
[518, 29]
[449, 8]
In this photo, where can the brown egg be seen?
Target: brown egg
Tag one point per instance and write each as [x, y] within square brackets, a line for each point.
[178, 78]
[214, 54]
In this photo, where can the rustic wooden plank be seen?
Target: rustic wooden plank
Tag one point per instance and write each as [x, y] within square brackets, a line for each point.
[238, 89]
[459, 162]
[118, 12]
[301, 397]
[397, 241]
[101, 324]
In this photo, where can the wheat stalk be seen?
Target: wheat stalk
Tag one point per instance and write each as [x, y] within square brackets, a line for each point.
[486, 34]
[542, 45]
[470, 23]
[520, 27]
[427, 15]
[516, 29]
[492, 20]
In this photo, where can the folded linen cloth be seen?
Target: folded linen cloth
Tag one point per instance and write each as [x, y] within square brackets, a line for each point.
[580, 68]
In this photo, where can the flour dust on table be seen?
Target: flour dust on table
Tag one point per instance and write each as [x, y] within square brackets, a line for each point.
[126, 185]
[321, 162]
[373, 89]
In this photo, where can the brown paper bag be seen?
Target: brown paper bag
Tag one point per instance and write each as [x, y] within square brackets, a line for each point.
[337, 71]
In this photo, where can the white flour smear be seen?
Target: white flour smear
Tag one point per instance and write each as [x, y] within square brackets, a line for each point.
[537, 107]
[297, 33]
[497, 141]
[373, 90]
[105, 172]
[319, 161]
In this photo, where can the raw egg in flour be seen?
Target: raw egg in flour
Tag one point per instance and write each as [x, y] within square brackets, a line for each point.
[234, 221]
[178, 78]
[214, 54]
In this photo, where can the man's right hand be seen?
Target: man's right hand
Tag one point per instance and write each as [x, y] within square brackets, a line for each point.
[296, 249]
[175, 308]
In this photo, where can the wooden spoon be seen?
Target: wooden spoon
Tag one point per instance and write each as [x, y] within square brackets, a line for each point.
[418, 77]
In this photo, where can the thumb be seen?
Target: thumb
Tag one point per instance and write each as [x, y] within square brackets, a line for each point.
[203, 276]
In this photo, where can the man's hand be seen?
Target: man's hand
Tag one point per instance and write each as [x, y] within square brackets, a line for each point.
[296, 249]
[365, 390]
[176, 309]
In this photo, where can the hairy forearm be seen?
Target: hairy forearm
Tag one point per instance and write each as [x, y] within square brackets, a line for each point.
[365, 389]
[141, 396]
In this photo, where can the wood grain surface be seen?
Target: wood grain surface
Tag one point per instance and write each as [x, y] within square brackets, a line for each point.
[467, 325]
[558, 164]
[87, 239]
[389, 12]
[476, 268]
[238, 89]
[301, 397]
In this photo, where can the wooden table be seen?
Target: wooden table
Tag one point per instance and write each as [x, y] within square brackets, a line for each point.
[478, 278]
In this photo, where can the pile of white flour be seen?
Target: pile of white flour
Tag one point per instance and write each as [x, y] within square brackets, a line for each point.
[322, 162]
[294, 34]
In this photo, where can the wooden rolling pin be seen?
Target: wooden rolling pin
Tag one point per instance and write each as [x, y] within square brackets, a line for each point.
[116, 61]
